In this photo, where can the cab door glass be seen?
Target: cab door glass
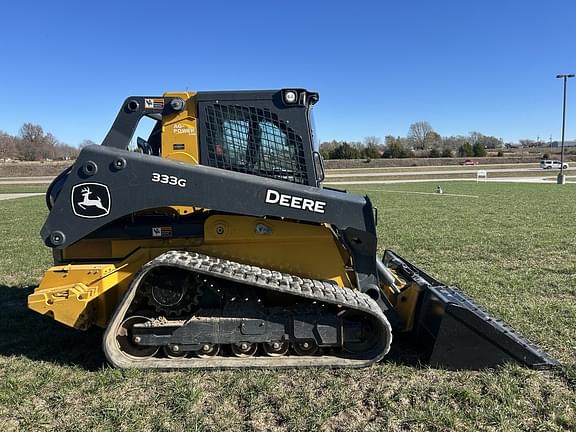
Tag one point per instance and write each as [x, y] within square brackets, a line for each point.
[275, 151]
[235, 142]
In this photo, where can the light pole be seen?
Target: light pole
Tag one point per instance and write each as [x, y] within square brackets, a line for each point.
[561, 178]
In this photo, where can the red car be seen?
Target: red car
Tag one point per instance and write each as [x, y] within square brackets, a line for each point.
[469, 162]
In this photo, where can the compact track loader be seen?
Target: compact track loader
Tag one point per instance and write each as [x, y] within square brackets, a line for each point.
[216, 246]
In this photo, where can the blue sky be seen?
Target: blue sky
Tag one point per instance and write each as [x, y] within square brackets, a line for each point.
[485, 65]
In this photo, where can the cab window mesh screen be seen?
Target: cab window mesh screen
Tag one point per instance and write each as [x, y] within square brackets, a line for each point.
[253, 141]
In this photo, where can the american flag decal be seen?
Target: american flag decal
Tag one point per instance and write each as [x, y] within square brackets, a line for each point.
[153, 103]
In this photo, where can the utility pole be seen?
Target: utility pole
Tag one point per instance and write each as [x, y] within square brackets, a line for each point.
[561, 178]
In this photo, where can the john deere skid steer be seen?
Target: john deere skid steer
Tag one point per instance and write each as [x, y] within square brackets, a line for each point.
[216, 246]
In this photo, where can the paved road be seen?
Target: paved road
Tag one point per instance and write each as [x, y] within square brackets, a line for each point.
[26, 180]
[7, 196]
[547, 180]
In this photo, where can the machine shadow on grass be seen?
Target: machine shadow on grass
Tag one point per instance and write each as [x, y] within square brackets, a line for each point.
[25, 333]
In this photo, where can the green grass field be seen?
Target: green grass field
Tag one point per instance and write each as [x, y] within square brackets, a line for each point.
[509, 246]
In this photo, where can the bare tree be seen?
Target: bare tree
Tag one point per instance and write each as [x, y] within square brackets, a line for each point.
[372, 141]
[49, 143]
[65, 152]
[30, 145]
[454, 142]
[86, 143]
[432, 139]
[31, 133]
[489, 142]
[417, 134]
[527, 142]
[33, 144]
[7, 146]
[373, 147]
[474, 137]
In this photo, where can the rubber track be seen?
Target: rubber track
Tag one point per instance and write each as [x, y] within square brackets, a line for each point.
[316, 290]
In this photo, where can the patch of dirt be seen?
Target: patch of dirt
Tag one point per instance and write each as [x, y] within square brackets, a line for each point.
[33, 169]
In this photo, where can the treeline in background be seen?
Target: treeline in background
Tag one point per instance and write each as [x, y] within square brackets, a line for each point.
[421, 141]
[33, 144]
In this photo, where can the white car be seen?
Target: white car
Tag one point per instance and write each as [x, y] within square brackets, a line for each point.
[549, 164]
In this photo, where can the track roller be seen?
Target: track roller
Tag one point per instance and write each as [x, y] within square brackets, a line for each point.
[305, 348]
[244, 349]
[276, 348]
[173, 351]
[208, 351]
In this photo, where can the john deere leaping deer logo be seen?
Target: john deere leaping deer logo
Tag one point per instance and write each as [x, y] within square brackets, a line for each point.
[90, 200]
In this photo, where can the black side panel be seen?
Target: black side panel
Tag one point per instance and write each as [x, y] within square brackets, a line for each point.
[130, 179]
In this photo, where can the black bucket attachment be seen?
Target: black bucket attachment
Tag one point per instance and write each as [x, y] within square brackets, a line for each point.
[459, 334]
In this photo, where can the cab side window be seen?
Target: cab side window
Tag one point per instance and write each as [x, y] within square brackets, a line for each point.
[254, 141]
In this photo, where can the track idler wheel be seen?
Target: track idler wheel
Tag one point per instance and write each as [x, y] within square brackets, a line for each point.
[369, 334]
[128, 343]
